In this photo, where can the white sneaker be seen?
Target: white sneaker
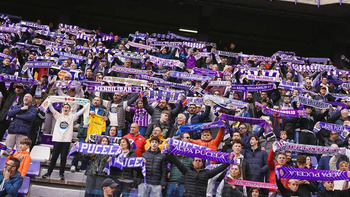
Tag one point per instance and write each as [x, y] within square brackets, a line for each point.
[72, 169]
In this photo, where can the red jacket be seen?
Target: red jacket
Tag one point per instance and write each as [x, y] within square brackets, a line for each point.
[271, 164]
[140, 142]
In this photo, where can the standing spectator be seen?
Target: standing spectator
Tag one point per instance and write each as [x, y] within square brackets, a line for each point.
[196, 178]
[157, 132]
[140, 117]
[108, 187]
[11, 178]
[139, 140]
[127, 176]
[176, 178]
[305, 187]
[225, 189]
[6, 67]
[344, 118]
[329, 190]
[116, 111]
[333, 139]
[163, 122]
[208, 141]
[245, 134]
[192, 117]
[62, 137]
[12, 99]
[156, 171]
[162, 105]
[38, 121]
[257, 160]
[23, 116]
[280, 161]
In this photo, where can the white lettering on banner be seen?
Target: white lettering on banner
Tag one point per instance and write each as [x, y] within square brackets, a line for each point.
[131, 161]
[97, 149]
[83, 147]
[104, 150]
[138, 162]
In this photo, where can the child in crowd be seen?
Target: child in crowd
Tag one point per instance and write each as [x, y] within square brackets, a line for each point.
[141, 117]
[23, 156]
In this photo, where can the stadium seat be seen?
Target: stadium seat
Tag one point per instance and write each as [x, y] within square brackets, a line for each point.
[46, 139]
[40, 153]
[2, 162]
[34, 169]
[314, 161]
[23, 190]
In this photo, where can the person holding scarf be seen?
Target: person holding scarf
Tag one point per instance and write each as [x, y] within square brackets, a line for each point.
[226, 189]
[127, 177]
[62, 137]
[94, 171]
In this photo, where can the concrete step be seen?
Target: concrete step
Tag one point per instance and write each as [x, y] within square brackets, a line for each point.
[54, 191]
[76, 179]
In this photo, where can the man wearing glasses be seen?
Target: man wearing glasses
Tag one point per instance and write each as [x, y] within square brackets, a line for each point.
[10, 179]
[176, 178]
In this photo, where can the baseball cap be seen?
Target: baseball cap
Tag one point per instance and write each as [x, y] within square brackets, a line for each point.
[323, 87]
[108, 182]
[20, 85]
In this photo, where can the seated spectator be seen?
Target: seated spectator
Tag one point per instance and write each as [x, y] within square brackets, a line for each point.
[11, 178]
[23, 156]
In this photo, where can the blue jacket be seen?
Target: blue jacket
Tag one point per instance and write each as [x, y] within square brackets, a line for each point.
[257, 160]
[6, 70]
[23, 120]
[12, 185]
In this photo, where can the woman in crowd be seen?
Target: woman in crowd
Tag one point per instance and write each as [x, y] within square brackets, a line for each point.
[128, 176]
[225, 189]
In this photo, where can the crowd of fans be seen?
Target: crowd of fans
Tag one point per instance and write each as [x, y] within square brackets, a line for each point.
[84, 58]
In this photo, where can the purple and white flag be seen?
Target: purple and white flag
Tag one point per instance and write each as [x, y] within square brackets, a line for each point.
[188, 76]
[252, 88]
[113, 89]
[342, 130]
[282, 112]
[99, 149]
[311, 149]
[311, 174]
[222, 157]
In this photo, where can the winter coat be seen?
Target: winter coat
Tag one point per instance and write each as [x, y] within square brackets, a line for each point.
[96, 163]
[175, 175]
[335, 193]
[155, 112]
[126, 173]
[195, 181]
[272, 173]
[140, 142]
[10, 97]
[22, 120]
[12, 185]
[257, 160]
[156, 169]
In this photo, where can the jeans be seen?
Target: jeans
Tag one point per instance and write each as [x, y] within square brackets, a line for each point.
[75, 161]
[175, 190]
[142, 131]
[149, 190]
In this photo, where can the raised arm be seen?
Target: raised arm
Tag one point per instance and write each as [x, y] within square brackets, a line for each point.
[217, 170]
[219, 136]
[174, 160]
[148, 108]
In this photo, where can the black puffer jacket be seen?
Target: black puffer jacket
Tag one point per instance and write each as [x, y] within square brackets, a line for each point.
[156, 169]
[126, 173]
[195, 182]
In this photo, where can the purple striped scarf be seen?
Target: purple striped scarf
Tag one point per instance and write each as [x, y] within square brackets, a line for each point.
[311, 174]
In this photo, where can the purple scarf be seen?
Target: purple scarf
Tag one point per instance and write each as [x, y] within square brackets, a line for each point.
[310, 174]
[113, 89]
[282, 112]
[341, 129]
[98, 149]
[252, 88]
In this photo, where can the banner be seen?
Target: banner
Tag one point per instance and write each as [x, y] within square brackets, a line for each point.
[166, 62]
[311, 174]
[173, 85]
[263, 78]
[254, 184]
[136, 82]
[204, 71]
[313, 103]
[183, 75]
[158, 95]
[222, 157]
[219, 83]
[120, 69]
[99, 149]
[38, 64]
[114, 89]
[342, 130]
[282, 112]
[311, 149]
[225, 102]
[138, 45]
[113, 140]
[200, 126]
[13, 78]
[252, 88]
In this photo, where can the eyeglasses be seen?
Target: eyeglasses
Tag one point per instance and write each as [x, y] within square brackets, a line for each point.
[242, 128]
[6, 164]
[197, 160]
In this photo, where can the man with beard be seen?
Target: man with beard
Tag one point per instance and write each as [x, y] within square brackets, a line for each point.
[252, 109]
